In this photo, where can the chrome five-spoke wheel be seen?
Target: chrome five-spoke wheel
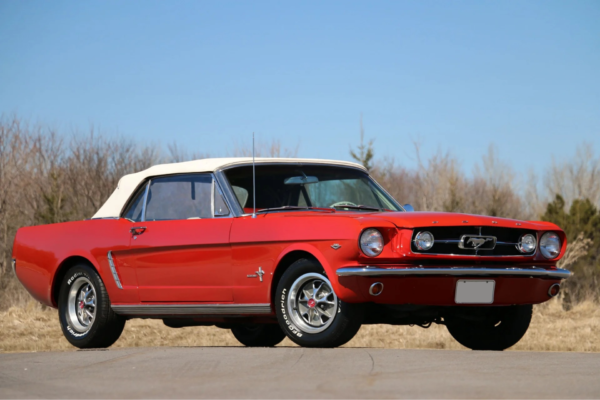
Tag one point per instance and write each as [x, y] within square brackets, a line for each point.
[310, 312]
[84, 309]
[312, 303]
[82, 305]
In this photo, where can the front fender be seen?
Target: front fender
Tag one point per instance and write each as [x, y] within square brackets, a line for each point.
[330, 259]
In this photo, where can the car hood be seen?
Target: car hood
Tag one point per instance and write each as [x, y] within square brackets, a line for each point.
[421, 219]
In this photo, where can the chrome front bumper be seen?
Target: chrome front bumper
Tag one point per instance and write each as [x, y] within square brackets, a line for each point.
[455, 271]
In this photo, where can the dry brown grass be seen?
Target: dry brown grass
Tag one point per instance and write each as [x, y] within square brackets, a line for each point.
[552, 329]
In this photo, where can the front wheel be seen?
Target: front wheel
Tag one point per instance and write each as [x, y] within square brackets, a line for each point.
[258, 335]
[309, 311]
[84, 311]
[489, 328]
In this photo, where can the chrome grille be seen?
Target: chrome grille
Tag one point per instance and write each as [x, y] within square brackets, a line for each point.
[448, 240]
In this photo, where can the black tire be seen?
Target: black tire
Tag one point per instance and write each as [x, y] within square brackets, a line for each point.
[258, 335]
[346, 321]
[491, 328]
[105, 328]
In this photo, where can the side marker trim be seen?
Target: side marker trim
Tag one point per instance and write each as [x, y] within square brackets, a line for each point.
[115, 275]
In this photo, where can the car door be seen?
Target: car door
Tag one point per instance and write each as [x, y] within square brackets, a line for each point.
[180, 247]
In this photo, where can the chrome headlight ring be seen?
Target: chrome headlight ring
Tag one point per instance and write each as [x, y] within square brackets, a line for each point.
[550, 245]
[371, 242]
[527, 243]
[424, 240]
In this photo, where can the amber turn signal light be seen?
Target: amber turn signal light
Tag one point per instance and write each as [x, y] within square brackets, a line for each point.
[376, 289]
[554, 290]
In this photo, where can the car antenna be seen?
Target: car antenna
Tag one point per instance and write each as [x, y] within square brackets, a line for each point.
[253, 179]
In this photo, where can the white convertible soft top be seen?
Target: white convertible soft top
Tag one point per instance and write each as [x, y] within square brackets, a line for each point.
[127, 184]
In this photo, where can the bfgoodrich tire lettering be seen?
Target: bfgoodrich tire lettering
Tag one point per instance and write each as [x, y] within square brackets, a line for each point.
[84, 311]
[333, 324]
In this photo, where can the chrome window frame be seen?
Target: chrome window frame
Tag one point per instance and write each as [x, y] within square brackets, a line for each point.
[145, 200]
[129, 202]
[239, 212]
[148, 182]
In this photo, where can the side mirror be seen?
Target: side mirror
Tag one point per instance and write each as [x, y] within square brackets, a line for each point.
[408, 208]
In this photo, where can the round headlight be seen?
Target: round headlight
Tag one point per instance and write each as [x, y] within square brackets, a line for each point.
[424, 241]
[550, 245]
[527, 243]
[371, 242]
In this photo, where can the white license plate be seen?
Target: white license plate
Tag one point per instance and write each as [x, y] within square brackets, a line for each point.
[474, 292]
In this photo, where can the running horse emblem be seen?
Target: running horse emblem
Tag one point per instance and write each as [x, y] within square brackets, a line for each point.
[478, 242]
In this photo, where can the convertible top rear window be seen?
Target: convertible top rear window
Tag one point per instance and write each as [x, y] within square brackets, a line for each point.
[307, 186]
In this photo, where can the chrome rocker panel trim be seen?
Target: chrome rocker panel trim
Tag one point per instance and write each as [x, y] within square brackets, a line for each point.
[455, 271]
[191, 309]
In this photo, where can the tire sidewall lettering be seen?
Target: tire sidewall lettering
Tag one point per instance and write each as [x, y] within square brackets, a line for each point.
[288, 323]
[76, 334]
[74, 277]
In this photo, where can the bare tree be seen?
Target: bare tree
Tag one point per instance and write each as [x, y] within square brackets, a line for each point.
[271, 148]
[578, 178]
[178, 154]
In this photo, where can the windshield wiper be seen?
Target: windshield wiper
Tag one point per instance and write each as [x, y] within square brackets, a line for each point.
[361, 207]
[290, 208]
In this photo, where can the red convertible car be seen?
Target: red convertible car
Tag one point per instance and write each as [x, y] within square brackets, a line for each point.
[314, 251]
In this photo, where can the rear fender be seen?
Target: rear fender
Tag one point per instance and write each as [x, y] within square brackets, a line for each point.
[78, 257]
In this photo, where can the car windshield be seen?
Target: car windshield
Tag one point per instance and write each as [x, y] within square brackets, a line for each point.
[298, 187]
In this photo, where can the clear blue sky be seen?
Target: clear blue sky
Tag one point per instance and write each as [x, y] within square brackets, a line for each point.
[456, 75]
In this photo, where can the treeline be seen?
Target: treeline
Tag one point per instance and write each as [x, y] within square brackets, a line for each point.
[48, 176]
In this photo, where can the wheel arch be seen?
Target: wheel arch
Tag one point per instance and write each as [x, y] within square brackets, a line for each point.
[290, 256]
[62, 270]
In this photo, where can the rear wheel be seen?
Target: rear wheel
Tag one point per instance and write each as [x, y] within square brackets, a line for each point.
[309, 311]
[490, 328]
[84, 311]
[258, 335]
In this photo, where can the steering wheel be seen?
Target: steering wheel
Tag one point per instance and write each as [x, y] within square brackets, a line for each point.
[343, 203]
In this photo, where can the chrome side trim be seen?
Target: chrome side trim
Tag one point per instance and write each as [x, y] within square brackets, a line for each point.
[111, 263]
[454, 271]
[142, 310]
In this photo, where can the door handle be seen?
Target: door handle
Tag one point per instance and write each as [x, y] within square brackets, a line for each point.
[137, 230]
